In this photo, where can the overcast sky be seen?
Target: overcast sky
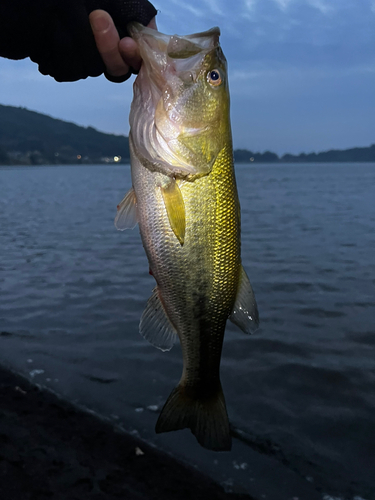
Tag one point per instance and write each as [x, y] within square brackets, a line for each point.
[301, 72]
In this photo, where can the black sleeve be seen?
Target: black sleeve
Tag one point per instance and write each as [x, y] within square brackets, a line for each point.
[56, 34]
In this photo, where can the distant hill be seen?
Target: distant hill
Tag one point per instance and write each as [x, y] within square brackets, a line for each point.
[245, 156]
[31, 138]
[334, 155]
[27, 137]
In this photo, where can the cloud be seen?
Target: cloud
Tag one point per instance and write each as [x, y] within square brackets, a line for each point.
[322, 5]
[189, 7]
[214, 6]
[250, 5]
[243, 75]
[283, 4]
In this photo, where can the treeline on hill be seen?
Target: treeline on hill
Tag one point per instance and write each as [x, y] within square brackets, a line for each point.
[333, 155]
[27, 137]
[30, 138]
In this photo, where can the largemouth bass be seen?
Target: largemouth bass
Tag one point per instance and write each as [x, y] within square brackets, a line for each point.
[184, 197]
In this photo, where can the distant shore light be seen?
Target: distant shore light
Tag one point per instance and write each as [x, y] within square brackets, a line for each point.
[252, 158]
[116, 158]
[79, 157]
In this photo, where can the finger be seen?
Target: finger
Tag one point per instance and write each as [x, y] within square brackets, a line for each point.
[129, 49]
[130, 53]
[107, 42]
[152, 24]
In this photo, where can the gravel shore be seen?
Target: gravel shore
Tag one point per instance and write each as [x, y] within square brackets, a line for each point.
[51, 449]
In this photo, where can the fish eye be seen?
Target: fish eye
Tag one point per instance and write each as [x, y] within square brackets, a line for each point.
[214, 77]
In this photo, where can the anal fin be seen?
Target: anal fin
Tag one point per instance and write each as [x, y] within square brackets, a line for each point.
[155, 325]
[245, 311]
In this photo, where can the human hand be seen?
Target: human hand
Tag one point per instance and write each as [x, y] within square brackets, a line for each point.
[121, 57]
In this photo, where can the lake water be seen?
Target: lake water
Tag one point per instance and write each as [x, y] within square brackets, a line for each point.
[300, 392]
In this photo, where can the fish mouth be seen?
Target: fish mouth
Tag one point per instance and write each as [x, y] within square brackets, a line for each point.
[175, 46]
[167, 55]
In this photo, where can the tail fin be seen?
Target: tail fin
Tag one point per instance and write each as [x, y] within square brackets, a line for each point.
[206, 417]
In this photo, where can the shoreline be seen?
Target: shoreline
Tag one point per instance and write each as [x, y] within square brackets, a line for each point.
[51, 449]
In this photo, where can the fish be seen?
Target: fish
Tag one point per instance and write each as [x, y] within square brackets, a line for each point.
[184, 198]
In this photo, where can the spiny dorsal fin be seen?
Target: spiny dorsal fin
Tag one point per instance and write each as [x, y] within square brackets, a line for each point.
[175, 206]
[155, 325]
[245, 311]
[126, 217]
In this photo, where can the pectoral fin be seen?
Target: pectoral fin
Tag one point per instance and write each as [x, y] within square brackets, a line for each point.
[174, 204]
[126, 217]
[245, 312]
[155, 325]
